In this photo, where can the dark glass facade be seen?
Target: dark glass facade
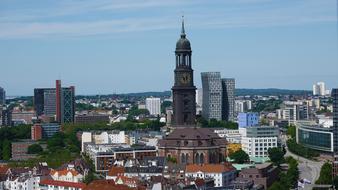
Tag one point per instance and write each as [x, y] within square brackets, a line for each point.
[316, 138]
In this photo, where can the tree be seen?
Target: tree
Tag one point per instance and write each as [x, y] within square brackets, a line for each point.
[239, 157]
[277, 186]
[6, 150]
[325, 174]
[292, 131]
[34, 149]
[276, 155]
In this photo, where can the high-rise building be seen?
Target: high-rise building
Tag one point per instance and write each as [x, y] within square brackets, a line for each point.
[242, 106]
[334, 94]
[199, 97]
[318, 89]
[56, 102]
[2, 96]
[212, 95]
[228, 97]
[6, 116]
[153, 105]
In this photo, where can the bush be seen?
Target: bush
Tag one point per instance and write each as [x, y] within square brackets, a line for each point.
[34, 149]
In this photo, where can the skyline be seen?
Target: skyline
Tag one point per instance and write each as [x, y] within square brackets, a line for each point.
[42, 42]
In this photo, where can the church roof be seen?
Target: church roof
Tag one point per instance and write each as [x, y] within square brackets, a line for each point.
[192, 137]
[183, 43]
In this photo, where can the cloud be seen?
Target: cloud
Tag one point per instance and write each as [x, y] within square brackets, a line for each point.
[84, 18]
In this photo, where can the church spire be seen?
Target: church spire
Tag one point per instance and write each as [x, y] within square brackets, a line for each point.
[182, 31]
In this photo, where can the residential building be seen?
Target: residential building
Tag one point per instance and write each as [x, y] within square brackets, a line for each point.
[261, 174]
[2, 96]
[25, 117]
[248, 119]
[319, 89]
[153, 105]
[36, 132]
[242, 106]
[20, 148]
[103, 137]
[212, 95]
[6, 116]
[25, 178]
[105, 155]
[228, 99]
[257, 140]
[222, 174]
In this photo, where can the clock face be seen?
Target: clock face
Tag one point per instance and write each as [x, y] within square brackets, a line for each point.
[185, 78]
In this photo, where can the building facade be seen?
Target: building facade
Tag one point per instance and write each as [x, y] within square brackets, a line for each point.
[257, 140]
[212, 95]
[248, 119]
[153, 105]
[228, 97]
[314, 136]
[58, 102]
[2, 96]
[334, 95]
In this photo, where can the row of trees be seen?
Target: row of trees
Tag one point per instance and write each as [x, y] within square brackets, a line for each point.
[300, 150]
[213, 123]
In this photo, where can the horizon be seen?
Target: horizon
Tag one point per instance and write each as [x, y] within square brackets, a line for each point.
[106, 47]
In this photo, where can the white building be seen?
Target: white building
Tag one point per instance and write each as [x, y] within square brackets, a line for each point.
[199, 97]
[111, 137]
[24, 181]
[153, 105]
[318, 89]
[256, 141]
[232, 136]
[222, 174]
[243, 106]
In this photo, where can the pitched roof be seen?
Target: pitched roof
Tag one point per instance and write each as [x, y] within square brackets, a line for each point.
[116, 171]
[209, 168]
[63, 183]
[106, 185]
[64, 172]
[3, 169]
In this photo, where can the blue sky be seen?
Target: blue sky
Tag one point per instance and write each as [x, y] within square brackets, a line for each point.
[119, 46]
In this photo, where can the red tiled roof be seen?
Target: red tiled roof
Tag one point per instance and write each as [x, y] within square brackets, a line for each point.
[64, 172]
[3, 169]
[115, 171]
[63, 183]
[106, 185]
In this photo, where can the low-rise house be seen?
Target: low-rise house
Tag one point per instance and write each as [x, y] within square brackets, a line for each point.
[222, 174]
[261, 174]
[25, 178]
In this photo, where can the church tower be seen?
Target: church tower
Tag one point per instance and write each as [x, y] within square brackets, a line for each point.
[184, 91]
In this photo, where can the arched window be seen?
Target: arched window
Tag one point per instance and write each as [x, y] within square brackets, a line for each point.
[201, 158]
[183, 158]
[197, 158]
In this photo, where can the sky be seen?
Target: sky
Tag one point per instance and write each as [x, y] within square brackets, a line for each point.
[121, 46]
